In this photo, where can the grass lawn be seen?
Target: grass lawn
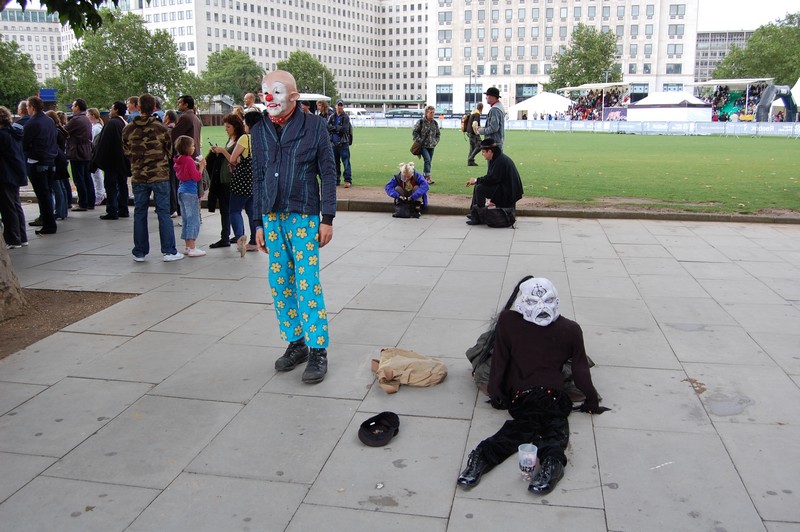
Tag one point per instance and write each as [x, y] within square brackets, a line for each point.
[703, 174]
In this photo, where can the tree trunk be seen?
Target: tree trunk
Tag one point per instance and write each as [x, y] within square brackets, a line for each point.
[12, 301]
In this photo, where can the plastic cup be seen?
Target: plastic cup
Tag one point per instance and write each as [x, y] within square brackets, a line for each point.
[527, 459]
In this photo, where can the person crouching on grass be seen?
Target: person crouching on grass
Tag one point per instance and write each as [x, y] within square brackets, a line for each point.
[189, 174]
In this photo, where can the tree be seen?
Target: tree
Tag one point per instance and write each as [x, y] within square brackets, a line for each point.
[190, 83]
[587, 59]
[310, 74]
[120, 59]
[17, 77]
[12, 300]
[232, 73]
[771, 52]
[80, 15]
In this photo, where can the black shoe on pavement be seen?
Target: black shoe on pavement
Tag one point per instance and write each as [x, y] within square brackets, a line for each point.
[317, 366]
[551, 471]
[220, 244]
[44, 232]
[36, 223]
[126, 215]
[295, 354]
[109, 217]
[476, 466]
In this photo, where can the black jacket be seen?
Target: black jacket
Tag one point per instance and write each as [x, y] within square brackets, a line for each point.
[12, 161]
[39, 139]
[503, 174]
[109, 155]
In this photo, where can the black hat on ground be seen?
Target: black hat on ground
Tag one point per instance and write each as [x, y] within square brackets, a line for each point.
[493, 91]
[379, 430]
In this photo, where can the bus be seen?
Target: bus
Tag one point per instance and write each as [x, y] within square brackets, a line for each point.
[404, 113]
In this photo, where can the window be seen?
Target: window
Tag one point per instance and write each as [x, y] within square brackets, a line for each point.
[507, 70]
[620, 30]
[481, 15]
[672, 87]
[675, 30]
[634, 49]
[650, 10]
[674, 49]
[521, 33]
[534, 51]
[563, 12]
[646, 68]
[520, 69]
[468, 34]
[468, 16]
[634, 30]
[521, 14]
[507, 53]
[648, 49]
[535, 33]
[509, 14]
[562, 32]
[445, 70]
[632, 68]
[674, 68]
[547, 68]
[548, 32]
[548, 52]
[445, 17]
[467, 52]
[592, 12]
[445, 54]
[576, 12]
[495, 15]
[606, 11]
[648, 30]
[508, 33]
[677, 10]
[635, 10]
[534, 69]
[548, 13]
[535, 13]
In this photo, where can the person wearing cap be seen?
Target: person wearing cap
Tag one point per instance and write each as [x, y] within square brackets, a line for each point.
[426, 133]
[341, 135]
[494, 128]
[293, 211]
[532, 343]
[501, 183]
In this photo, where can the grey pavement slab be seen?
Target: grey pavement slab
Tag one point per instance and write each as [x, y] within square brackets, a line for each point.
[676, 481]
[210, 503]
[48, 503]
[693, 327]
[60, 418]
[149, 444]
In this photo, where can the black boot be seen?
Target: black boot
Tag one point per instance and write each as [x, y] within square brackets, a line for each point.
[317, 366]
[476, 466]
[547, 477]
[295, 354]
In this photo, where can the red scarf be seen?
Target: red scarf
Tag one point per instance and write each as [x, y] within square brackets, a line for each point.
[281, 120]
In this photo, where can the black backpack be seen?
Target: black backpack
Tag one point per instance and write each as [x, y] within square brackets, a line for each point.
[495, 216]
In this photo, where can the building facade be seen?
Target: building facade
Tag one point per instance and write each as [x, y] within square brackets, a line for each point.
[38, 34]
[712, 47]
[441, 52]
[511, 44]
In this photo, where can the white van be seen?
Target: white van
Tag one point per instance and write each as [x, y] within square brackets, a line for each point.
[357, 112]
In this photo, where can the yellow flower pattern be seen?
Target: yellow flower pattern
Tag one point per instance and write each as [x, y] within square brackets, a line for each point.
[293, 246]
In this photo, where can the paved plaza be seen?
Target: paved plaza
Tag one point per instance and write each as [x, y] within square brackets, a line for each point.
[164, 413]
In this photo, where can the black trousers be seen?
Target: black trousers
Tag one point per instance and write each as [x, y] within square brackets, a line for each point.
[540, 418]
[40, 175]
[14, 230]
[474, 147]
[117, 195]
[224, 198]
[481, 192]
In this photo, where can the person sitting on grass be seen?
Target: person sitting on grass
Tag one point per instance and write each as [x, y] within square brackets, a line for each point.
[408, 185]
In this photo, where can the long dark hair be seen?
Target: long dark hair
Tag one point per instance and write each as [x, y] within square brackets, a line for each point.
[486, 352]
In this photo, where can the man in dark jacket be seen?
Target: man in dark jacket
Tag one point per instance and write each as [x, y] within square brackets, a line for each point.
[188, 124]
[294, 218]
[12, 176]
[501, 183]
[79, 153]
[111, 159]
[40, 145]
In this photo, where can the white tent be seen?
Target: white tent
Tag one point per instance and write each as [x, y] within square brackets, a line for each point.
[673, 106]
[544, 102]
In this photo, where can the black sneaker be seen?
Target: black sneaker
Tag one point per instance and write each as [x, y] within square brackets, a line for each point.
[109, 217]
[295, 354]
[551, 471]
[36, 223]
[317, 366]
[476, 466]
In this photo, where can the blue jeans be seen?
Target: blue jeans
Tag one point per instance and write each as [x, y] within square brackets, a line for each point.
[190, 213]
[427, 156]
[59, 188]
[237, 204]
[83, 183]
[141, 204]
[341, 153]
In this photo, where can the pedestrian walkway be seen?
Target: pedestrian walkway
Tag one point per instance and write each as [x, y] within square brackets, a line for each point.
[164, 413]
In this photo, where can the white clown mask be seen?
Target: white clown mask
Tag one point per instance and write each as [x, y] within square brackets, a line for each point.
[277, 99]
[537, 301]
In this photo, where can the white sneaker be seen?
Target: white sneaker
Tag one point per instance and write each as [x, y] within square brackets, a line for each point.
[138, 259]
[13, 246]
[195, 252]
[171, 258]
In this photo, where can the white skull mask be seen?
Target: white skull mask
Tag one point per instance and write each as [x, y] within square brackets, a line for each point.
[537, 301]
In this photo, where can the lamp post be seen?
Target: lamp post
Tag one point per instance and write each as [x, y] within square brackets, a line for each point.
[473, 74]
[323, 84]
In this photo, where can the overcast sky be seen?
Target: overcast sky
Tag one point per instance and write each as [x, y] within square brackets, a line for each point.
[718, 15]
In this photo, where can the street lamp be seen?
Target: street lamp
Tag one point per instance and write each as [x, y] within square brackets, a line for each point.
[474, 74]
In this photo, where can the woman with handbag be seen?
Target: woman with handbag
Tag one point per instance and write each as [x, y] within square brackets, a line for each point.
[426, 134]
[221, 186]
[242, 186]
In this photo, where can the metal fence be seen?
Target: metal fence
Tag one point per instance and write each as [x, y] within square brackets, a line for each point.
[739, 129]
